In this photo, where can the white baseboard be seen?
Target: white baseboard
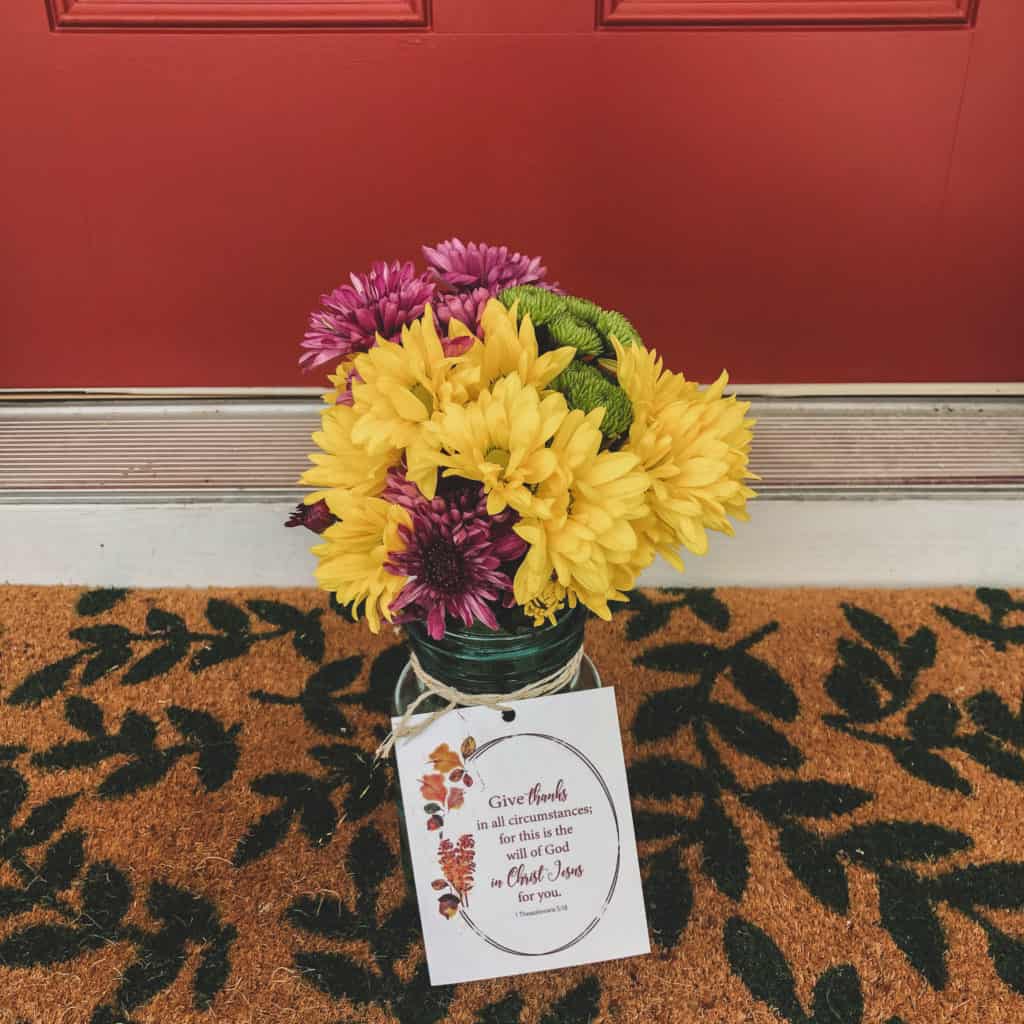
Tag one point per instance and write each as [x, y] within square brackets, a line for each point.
[831, 542]
[187, 490]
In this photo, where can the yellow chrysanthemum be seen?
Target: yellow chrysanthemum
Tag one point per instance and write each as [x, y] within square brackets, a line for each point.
[588, 542]
[649, 387]
[544, 608]
[339, 379]
[402, 386]
[507, 349]
[576, 442]
[344, 468]
[501, 440]
[354, 552]
[695, 451]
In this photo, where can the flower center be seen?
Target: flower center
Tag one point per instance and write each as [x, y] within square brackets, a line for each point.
[444, 567]
[420, 392]
[499, 456]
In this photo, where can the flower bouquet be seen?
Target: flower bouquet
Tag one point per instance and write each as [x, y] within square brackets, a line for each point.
[496, 453]
[496, 459]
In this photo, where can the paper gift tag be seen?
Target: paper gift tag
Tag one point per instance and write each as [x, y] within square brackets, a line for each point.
[521, 838]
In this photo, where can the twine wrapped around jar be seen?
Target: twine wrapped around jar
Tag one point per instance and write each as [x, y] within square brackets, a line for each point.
[434, 687]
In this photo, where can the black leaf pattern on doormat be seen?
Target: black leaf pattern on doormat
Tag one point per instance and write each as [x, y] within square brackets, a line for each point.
[699, 813]
[96, 602]
[310, 799]
[724, 855]
[107, 647]
[992, 627]
[762, 967]
[647, 616]
[875, 684]
[320, 697]
[136, 738]
[90, 907]
[391, 938]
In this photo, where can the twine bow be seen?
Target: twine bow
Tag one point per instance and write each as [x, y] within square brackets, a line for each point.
[434, 687]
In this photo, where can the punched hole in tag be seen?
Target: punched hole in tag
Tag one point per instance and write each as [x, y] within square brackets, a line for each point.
[508, 716]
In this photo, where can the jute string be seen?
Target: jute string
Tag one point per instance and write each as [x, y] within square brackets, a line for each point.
[434, 687]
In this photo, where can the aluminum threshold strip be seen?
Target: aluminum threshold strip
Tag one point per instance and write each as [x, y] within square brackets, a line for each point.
[253, 449]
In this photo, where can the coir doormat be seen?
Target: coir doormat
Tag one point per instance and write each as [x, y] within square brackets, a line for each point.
[828, 792]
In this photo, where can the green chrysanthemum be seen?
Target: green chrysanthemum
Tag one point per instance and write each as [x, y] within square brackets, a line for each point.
[586, 388]
[612, 323]
[541, 304]
[565, 329]
[583, 309]
[570, 320]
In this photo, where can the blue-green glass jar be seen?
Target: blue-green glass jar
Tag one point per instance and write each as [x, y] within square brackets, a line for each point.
[481, 660]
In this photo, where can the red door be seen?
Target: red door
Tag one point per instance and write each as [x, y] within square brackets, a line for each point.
[802, 190]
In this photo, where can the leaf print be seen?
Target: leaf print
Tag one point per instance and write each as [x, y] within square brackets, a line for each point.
[44, 683]
[1007, 955]
[456, 798]
[95, 602]
[762, 967]
[458, 864]
[669, 896]
[337, 976]
[432, 788]
[817, 866]
[874, 629]
[908, 916]
[444, 759]
[994, 629]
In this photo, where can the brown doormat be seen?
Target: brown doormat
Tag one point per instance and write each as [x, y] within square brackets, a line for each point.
[828, 789]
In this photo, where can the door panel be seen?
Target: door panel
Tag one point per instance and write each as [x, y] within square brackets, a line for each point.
[151, 14]
[791, 202]
[786, 12]
[981, 278]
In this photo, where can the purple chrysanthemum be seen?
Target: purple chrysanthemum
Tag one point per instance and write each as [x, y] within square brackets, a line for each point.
[401, 491]
[468, 275]
[465, 306]
[381, 302]
[453, 557]
[479, 265]
[316, 517]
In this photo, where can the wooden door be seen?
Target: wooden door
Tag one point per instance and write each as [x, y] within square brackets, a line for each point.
[801, 190]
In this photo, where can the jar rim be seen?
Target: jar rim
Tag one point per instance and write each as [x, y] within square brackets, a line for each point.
[460, 635]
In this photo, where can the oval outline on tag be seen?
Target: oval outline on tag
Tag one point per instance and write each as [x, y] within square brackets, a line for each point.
[618, 846]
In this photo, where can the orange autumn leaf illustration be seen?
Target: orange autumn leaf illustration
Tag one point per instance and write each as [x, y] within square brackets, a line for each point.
[456, 859]
[432, 788]
[445, 759]
[458, 864]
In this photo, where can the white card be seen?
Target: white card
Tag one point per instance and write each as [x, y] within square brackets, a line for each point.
[521, 838]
